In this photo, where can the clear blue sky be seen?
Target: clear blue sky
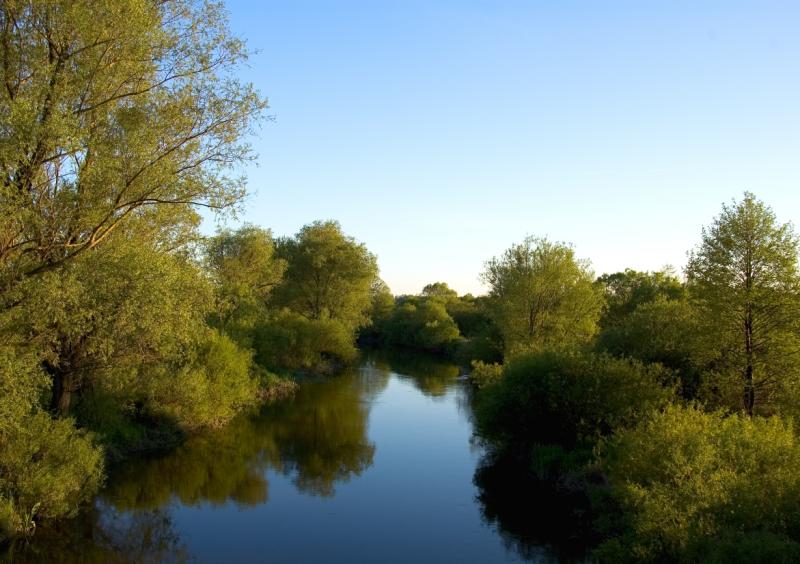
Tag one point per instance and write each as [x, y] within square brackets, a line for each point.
[440, 132]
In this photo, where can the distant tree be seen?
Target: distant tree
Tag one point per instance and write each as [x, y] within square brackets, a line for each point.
[625, 291]
[439, 290]
[744, 278]
[423, 324]
[541, 296]
[664, 331]
[328, 276]
[381, 308]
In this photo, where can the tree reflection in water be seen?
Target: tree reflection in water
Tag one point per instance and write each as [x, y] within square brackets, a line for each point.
[430, 374]
[103, 535]
[318, 439]
[541, 521]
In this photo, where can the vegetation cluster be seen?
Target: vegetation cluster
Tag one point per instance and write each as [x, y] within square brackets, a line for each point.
[122, 328]
[667, 405]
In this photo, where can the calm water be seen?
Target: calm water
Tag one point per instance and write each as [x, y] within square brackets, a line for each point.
[376, 465]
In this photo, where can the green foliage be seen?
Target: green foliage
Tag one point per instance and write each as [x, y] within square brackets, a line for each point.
[745, 281]
[439, 290]
[47, 467]
[207, 392]
[667, 332]
[329, 276]
[422, 324]
[627, 290]
[567, 399]
[244, 270]
[112, 109]
[382, 304]
[695, 486]
[470, 314]
[290, 342]
[542, 297]
[484, 374]
[115, 310]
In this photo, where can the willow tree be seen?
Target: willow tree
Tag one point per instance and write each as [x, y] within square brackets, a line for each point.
[112, 108]
[542, 296]
[744, 277]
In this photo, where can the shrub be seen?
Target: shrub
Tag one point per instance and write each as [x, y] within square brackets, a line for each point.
[483, 374]
[47, 467]
[663, 331]
[423, 325]
[291, 342]
[568, 399]
[695, 486]
[209, 391]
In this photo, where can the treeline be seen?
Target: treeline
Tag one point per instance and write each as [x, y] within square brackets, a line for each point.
[121, 327]
[666, 405]
[437, 321]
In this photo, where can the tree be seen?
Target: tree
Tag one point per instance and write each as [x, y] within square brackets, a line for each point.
[244, 270]
[328, 276]
[439, 290]
[122, 307]
[113, 108]
[541, 296]
[625, 291]
[744, 278]
[422, 324]
[47, 467]
[381, 308]
[663, 331]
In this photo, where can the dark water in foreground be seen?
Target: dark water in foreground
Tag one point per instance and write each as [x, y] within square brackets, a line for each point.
[376, 465]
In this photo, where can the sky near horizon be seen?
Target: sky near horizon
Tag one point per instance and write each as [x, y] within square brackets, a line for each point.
[439, 132]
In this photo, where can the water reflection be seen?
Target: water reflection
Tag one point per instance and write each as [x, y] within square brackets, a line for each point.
[542, 521]
[168, 508]
[431, 375]
[319, 437]
[102, 535]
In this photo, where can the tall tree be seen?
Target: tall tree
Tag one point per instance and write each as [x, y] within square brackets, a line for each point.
[541, 296]
[744, 277]
[112, 108]
[328, 276]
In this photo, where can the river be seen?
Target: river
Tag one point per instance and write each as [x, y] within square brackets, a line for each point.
[375, 465]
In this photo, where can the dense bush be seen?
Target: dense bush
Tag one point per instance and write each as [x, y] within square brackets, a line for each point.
[695, 486]
[485, 374]
[208, 391]
[568, 399]
[423, 324]
[663, 331]
[291, 342]
[47, 467]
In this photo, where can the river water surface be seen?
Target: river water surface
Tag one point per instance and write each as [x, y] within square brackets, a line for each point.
[374, 465]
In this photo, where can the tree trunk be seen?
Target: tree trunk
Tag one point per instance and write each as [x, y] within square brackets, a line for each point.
[749, 387]
[63, 385]
[749, 390]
